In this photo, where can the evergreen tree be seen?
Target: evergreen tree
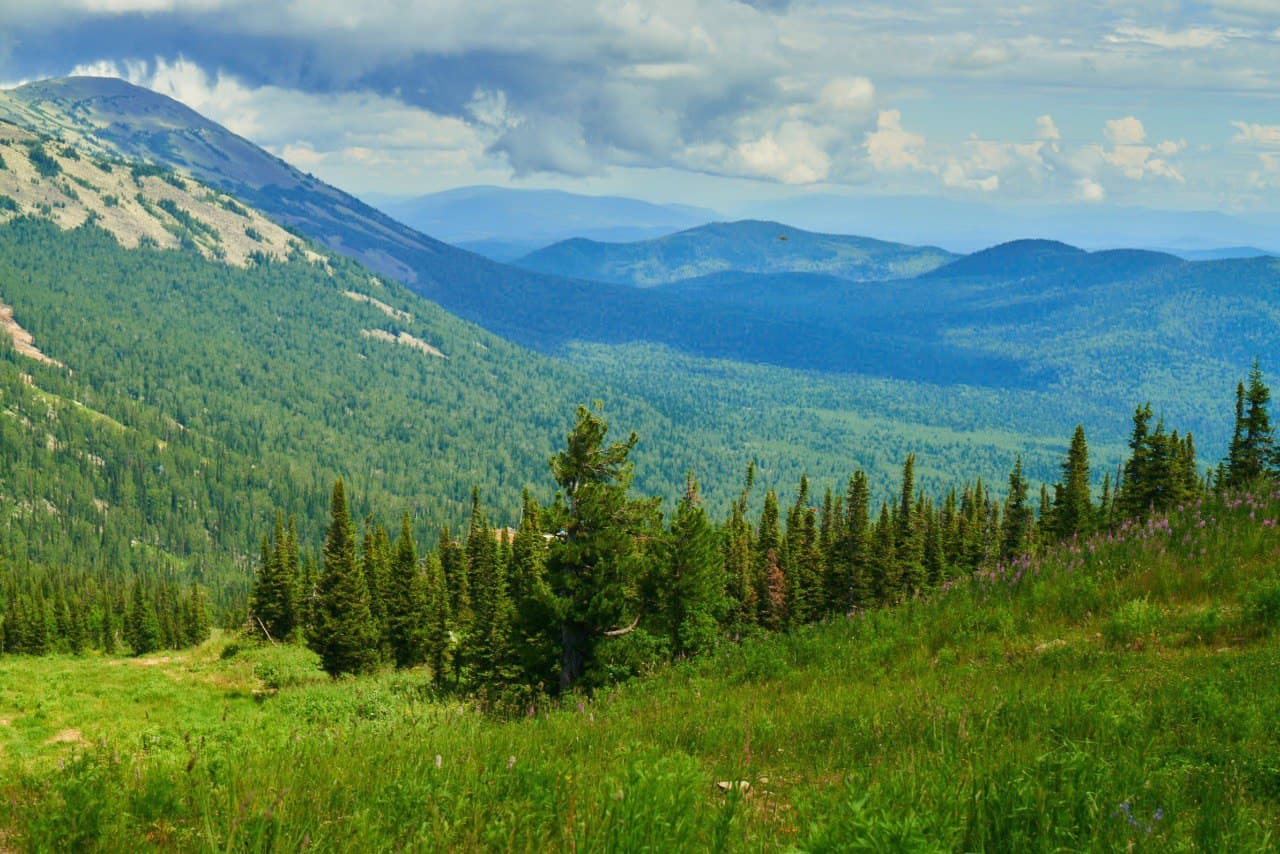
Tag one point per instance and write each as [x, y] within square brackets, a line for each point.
[1253, 452]
[406, 602]
[375, 564]
[743, 589]
[453, 563]
[142, 627]
[693, 575]
[773, 592]
[273, 599]
[438, 639]
[1073, 511]
[594, 570]
[802, 559]
[345, 636]
[536, 646]
[853, 578]
[886, 577]
[908, 540]
[1015, 538]
[488, 642]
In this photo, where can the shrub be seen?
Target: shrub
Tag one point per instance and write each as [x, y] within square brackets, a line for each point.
[1261, 604]
[1134, 620]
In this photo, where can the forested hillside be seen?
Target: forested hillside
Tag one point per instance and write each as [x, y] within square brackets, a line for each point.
[744, 247]
[147, 450]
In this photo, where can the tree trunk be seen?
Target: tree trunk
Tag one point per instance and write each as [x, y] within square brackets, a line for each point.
[572, 640]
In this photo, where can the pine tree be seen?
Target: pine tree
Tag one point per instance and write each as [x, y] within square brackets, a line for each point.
[693, 575]
[273, 600]
[1253, 452]
[535, 644]
[375, 564]
[594, 570]
[773, 593]
[488, 642]
[1018, 519]
[453, 564]
[142, 627]
[854, 579]
[934, 560]
[743, 589]
[438, 638]
[802, 560]
[886, 571]
[345, 636]
[196, 623]
[406, 602]
[908, 539]
[1073, 511]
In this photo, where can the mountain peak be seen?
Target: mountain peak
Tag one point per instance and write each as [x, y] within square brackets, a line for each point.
[749, 246]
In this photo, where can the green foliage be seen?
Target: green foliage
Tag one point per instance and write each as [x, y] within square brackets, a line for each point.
[986, 718]
[45, 165]
[344, 635]
[594, 568]
[1262, 603]
[407, 620]
[1134, 621]
[741, 247]
[8, 205]
[693, 577]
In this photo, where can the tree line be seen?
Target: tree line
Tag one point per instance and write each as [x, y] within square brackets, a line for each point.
[597, 585]
[73, 612]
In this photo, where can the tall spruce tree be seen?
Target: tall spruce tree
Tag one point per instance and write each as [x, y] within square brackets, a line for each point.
[1253, 452]
[345, 635]
[406, 602]
[273, 602]
[1073, 512]
[743, 591]
[489, 641]
[1015, 535]
[142, 626]
[594, 569]
[908, 538]
[773, 592]
[853, 579]
[693, 589]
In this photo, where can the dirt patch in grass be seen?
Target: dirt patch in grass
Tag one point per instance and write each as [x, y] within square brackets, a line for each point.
[68, 736]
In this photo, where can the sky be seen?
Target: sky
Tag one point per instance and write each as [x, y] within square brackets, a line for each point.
[1169, 105]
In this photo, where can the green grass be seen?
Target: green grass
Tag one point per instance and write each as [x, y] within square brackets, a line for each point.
[1118, 693]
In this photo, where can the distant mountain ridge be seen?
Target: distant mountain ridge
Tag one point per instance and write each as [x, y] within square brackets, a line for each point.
[540, 311]
[483, 216]
[1026, 315]
[746, 246]
[1020, 259]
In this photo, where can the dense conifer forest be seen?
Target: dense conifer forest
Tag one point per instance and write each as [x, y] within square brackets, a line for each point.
[595, 585]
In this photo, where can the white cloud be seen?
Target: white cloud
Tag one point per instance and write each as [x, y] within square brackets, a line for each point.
[1189, 38]
[1126, 131]
[1089, 190]
[329, 134]
[1046, 129]
[890, 148]
[1259, 135]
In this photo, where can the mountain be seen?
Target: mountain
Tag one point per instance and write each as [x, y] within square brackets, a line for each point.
[968, 226]
[1222, 253]
[1100, 329]
[1023, 259]
[476, 215]
[175, 368]
[539, 311]
[748, 247]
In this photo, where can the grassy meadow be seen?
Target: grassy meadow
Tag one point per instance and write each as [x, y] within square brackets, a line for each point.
[1120, 693]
